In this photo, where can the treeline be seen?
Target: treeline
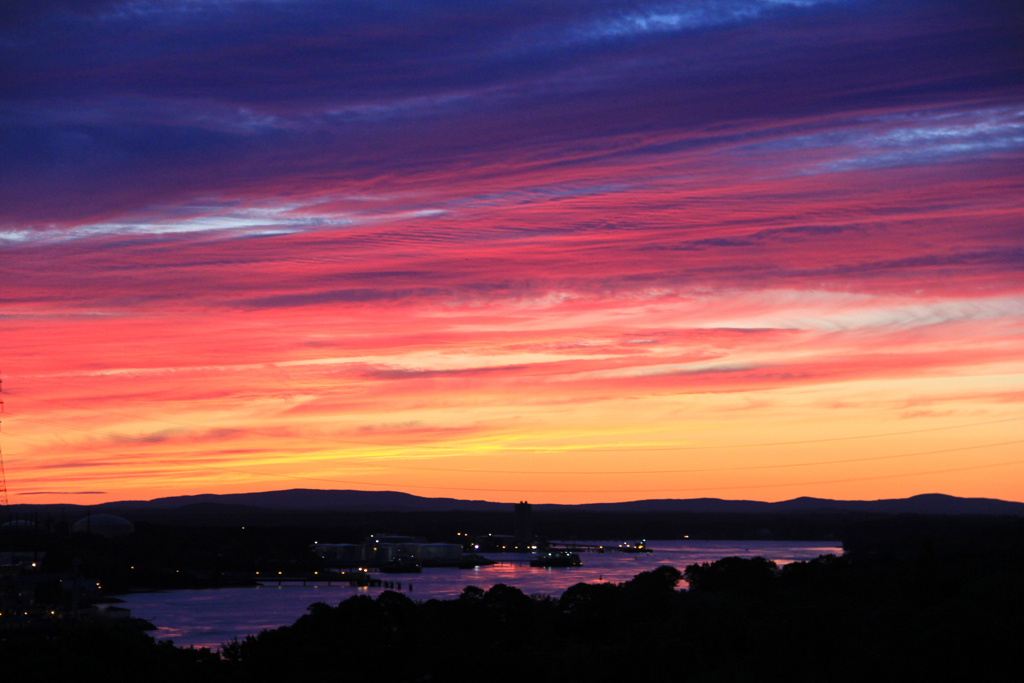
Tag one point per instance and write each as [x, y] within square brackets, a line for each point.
[898, 606]
[169, 557]
[913, 616]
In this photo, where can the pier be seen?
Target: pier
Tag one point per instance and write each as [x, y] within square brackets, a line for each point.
[639, 547]
[342, 581]
[314, 578]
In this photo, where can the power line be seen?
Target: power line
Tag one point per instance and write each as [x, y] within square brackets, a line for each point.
[629, 472]
[594, 449]
[712, 488]
[587, 449]
[191, 425]
[583, 448]
[600, 472]
[672, 490]
[691, 471]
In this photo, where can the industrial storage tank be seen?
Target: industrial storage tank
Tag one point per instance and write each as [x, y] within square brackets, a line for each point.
[408, 549]
[104, 525]
[440, 554]
[341, 554]
[379, 553]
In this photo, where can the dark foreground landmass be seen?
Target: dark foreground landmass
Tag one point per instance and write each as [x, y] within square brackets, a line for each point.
[896, 606]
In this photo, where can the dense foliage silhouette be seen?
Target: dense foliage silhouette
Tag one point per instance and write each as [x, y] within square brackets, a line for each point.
[896, 606]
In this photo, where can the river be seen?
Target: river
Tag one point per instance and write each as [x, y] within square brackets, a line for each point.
[209, 617]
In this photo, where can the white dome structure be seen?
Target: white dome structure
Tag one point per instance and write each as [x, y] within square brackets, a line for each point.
[104, 525]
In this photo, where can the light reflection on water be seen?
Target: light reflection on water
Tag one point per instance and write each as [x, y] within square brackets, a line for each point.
[209, 617]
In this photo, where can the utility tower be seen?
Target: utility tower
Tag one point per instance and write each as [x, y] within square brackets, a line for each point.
[523, 526]
[3, 478]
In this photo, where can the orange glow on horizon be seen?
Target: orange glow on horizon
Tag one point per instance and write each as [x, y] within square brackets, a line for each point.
[583, 253]
[568, 413]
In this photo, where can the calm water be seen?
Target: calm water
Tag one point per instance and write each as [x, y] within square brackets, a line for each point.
[209, 617]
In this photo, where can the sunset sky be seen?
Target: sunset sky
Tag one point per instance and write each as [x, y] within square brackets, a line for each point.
[555, 251]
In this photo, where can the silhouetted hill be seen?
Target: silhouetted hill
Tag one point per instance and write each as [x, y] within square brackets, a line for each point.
[393, 501]
[925, 504]
[316, 499]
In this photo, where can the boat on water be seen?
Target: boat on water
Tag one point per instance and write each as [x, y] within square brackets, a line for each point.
[637, 547]
[556, 558]
[472, 560]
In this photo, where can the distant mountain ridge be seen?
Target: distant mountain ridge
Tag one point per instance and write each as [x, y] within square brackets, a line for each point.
[394, 501]
[318, 499]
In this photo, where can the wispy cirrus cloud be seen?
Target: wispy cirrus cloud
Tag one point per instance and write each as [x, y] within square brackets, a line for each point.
[315, 232]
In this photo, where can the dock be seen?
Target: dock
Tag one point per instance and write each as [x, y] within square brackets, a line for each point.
[573, 547]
